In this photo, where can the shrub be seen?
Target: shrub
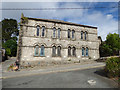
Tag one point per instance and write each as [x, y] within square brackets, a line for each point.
[113, 67]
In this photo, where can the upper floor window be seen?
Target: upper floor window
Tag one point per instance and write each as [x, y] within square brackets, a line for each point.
[86, 51]
[59, 33]
[81, 35]
[36, 50]
[43, 31]
[74, 51]
[54, 51]
[83, 49]
[54, 32]
[69, 51]
[42, 51]
[68, 33]
[85, 35]
[38, 30]
[59, 51]
[73, 34]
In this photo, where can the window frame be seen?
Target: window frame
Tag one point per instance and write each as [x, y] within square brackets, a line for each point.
[83, 51]
[59, 51]
[87, 52]
[73, 34]
[74, 51]
[36, 48]
[59, 33]
[54, 33]
[38, 31]
[43, 31]
[69, 51]
[81, 35]
[42, 50]
[85, 35]
[54, 51]
[69, 33]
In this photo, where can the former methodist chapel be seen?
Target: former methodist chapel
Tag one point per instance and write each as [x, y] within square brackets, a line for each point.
[46, 40]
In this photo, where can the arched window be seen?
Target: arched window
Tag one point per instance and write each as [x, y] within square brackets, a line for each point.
[38, 30]
[83, 49]
[74, 51]
[85, 35]
[69, 51]
[82, 35]
[59, 33]
[59, 51]
[54, 51]
[73, 34]
[43, 31]
[86, 51]
[36, 50]
[42, 51]
[54, 32]
[68, 33]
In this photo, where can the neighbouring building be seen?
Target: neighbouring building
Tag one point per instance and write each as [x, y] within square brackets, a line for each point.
[46, 40]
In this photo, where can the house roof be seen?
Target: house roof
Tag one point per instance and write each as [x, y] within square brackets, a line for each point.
[60, 21]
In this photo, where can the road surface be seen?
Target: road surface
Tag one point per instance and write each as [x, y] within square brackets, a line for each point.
[68, 79]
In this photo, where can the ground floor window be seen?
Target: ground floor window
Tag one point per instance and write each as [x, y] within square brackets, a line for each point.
[69, 51]
[59, 51]
[84, 51]
[54, 51]
[74, 51]
[36, 50]
[42, 51]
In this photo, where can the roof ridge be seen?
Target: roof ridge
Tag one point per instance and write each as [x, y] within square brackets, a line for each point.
[61, 21]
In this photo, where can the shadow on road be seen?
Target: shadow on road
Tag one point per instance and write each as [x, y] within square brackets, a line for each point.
[101, 72]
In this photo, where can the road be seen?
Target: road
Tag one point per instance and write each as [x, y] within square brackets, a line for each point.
[69, 79]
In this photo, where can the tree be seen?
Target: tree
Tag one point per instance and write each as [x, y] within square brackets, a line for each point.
[113, 41]
[9, 36]
[9, 29]
[10, 47]
[105, 50]
[111, 46]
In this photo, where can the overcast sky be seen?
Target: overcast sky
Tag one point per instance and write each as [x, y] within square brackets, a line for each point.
[106, 19]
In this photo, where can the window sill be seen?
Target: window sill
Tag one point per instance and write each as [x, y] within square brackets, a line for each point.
[54, 38]
[42, 36]
[36, 56]
[42, 56]
[73, 39]
[85, 56]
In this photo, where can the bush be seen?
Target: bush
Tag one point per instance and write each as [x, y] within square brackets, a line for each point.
[113, 67]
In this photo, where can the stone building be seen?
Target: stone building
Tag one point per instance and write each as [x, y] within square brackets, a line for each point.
[46, 40]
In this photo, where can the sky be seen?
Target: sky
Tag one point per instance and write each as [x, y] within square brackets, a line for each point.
[106, 19]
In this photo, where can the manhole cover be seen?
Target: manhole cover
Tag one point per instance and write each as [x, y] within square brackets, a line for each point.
[91, 82]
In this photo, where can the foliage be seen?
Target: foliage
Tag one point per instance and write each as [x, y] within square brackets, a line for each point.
[9, 36]
[10, 47]
[9, 29]
[24, 19]
[113, 67]
[111, 46]
[105, 50]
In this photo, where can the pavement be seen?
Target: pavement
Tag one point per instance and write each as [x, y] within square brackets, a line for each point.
[6, 75]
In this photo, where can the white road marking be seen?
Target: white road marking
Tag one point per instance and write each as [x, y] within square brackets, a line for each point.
[91, 82]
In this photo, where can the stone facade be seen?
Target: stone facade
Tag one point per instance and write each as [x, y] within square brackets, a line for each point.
[38, 41]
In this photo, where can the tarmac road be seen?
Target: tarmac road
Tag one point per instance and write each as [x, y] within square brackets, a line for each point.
[68, 79]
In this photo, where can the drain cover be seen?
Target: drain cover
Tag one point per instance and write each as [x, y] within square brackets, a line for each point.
[91, 82]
